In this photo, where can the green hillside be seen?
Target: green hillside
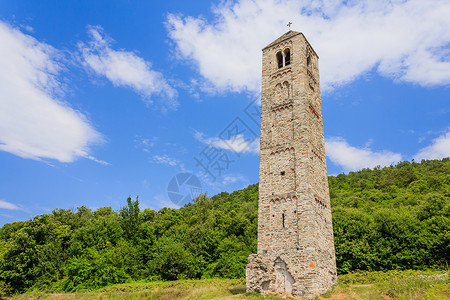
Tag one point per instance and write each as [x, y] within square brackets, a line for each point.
[389, 218]
[392, 218]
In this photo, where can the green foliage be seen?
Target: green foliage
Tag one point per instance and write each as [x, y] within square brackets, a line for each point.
[392, 218]
[130, 217]
[98, 268]
[389, 218]
[171, 260]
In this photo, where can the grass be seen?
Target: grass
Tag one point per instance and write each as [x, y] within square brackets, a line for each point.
[360, 285]
[392, 285]
[181, 289]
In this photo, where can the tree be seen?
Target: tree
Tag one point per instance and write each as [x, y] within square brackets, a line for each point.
[130, 217]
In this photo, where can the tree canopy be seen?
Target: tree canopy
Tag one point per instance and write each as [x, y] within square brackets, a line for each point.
[396, 217]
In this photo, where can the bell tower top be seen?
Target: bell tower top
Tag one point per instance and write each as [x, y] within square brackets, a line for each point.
[286, 36]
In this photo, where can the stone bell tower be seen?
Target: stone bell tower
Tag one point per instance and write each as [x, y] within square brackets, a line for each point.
[295, 232]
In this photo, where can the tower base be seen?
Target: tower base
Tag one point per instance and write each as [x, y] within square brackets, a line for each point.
[263, 276]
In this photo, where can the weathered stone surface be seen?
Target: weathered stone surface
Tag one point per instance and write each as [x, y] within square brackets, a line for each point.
[256, 274]
[295, 234]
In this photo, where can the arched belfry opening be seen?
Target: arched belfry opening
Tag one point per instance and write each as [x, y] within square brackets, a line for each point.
[283, 58]
[287, 57]
[280, 60]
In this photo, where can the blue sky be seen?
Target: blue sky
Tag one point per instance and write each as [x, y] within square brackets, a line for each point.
[100, 100]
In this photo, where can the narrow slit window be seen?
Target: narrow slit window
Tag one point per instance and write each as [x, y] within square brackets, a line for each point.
[308, 60]
[282, 216]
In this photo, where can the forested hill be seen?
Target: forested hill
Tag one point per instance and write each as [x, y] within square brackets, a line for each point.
[396, 217]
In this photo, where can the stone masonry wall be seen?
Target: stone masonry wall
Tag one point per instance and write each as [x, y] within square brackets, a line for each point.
[295, 235]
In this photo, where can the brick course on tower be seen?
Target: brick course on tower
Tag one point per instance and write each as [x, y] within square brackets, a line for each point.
[295, 232]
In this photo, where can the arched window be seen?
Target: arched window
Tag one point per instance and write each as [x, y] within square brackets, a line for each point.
[284, 58]
[285, 90]
[280, 60]
[287, 57]
[278, 93]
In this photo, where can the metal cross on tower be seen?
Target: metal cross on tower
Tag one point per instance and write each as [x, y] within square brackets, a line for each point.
[289, 25]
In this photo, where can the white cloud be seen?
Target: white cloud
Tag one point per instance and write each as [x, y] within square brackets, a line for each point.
[34, 122]
[125, 68]
[165, 159]
[7, 216]
[439, 148]
[238, 143]
[145, 143]
[351, 158]
[99, 161]
[227, 179]
[8, 205]
[403, 40]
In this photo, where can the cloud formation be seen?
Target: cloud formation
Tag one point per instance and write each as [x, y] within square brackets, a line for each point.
[166, 160]
[234, 178]
[125, 68]
[238, 143]
[403, 40]
[439, 148]
[352, 159]
[34, 122]
[8, 205]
